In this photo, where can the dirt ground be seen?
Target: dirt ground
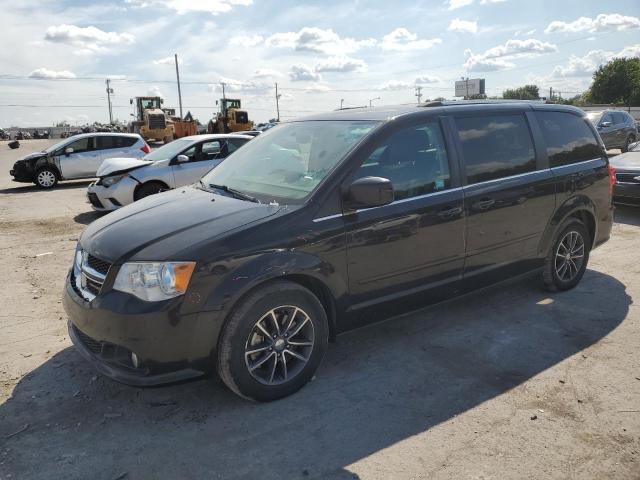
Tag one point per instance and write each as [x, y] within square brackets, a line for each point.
[510, 383]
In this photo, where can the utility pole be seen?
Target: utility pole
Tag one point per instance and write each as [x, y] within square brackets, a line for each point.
[179, 92]
[109, 92]
[341, 103]
[419, 94]
[550, 94]
[277, 102]
[371, 100]
[223, 85]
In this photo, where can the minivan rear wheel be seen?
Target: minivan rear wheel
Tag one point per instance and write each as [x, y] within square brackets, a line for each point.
[567, 260]
[272, 344]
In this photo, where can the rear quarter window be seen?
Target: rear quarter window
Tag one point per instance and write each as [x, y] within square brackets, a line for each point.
[568, 138]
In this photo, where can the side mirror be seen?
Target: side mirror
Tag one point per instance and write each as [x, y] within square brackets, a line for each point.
[182, 159]
[604, 124]
[68, 151]
[369, 192]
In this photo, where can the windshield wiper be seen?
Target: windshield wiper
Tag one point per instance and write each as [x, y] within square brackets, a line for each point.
[234, 192]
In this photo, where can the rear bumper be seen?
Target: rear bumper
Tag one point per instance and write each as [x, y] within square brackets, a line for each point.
[166, 343]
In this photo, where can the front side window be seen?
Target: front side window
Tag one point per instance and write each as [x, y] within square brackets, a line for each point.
[619, 118]
[79, 146]
[210, 150]
[287, 163]
[495, 146]
[413, 159]
[568, 138]
[606, 118]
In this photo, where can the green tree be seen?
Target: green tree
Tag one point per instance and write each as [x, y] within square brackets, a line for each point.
[528, 92]
[617, 82]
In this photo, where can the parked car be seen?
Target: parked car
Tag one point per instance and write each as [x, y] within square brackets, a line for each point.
[616, 127]
[77, 157]
[124, 180]
[627, 166]
[328, 223]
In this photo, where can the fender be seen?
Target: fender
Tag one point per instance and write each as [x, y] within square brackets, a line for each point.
[274, 265]
[571, 206]
[46, 161]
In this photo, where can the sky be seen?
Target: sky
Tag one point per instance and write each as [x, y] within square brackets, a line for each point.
[56, 55]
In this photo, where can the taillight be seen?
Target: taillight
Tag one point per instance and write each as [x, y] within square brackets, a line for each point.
[145, 148]
[612, 178]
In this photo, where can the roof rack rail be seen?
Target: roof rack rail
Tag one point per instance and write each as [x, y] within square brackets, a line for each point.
[446, 103]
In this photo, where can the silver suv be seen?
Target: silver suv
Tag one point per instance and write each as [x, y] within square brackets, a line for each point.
[616, 127]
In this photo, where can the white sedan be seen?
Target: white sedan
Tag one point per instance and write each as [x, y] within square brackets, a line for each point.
[182, 162]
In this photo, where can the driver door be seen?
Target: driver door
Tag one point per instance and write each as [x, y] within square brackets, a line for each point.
[202, 158]
[83, 162]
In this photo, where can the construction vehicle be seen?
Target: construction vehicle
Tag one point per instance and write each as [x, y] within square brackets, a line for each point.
[151, 121]
[230, 118]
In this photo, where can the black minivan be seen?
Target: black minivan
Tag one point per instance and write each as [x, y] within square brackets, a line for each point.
[331, 222]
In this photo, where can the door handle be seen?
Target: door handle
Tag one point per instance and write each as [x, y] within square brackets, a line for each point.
[483, 204]
[450, 212]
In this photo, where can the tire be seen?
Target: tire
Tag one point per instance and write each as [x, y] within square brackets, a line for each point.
[46, 178]
[272, 377]
[555, 277]
[149, 188]
[630, 140]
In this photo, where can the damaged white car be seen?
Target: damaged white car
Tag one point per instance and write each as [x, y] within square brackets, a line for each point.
[182, 162]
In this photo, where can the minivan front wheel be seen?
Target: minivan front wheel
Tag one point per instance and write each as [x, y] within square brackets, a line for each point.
[567, 261]
[273, 342]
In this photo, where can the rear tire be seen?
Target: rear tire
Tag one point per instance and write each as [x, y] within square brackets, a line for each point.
[273, 342]
[630, 140]
[46, 178]
[567, 259]
[150, 188]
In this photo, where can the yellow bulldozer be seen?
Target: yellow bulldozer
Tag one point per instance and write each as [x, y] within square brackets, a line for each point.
[230, 118]
[151, 121]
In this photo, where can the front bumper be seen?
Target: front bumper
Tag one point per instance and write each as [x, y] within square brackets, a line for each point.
[107, 199]
[109, 328]
[627, 193]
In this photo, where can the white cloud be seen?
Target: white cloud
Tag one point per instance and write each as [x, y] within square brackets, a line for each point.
[246, 40]
[181, 7]
[458, 25]
[170, 60]
[45, 73]
[426, 79]
[603, 22]
[313, 39]
[87, 39]
[403, 39]
[266, 73]
[233, 85]
[154, 91]
[454, 4]
[586, 65]
[496, 58]
[301, 72]
[340, 64]
[487, 2]
[317, 88]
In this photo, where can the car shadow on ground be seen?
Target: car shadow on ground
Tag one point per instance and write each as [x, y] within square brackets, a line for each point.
[29, 187]
[377, 386]
[85, 218]
[627, 214]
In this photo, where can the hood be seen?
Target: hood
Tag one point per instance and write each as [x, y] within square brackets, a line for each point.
[115, 165]
[33, 155]
[166, 225]
[626, 161]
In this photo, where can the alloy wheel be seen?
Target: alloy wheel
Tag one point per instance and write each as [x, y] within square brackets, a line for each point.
[569, 256]
[279, 345]
[46, 179]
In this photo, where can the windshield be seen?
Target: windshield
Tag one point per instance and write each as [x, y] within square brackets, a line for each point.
[169, 150]
[286, 163]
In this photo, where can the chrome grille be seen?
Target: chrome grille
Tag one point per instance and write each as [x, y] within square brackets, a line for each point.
[88, 279]
[98, 265]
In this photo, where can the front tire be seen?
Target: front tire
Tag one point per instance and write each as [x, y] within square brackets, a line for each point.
[567, 259]
[150, 188]
[46, 178]
[273, 342]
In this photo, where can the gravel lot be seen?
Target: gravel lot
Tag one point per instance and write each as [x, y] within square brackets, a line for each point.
[508, 383]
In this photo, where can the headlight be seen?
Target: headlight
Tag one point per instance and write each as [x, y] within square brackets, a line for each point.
[153, 281]
[108, 181]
